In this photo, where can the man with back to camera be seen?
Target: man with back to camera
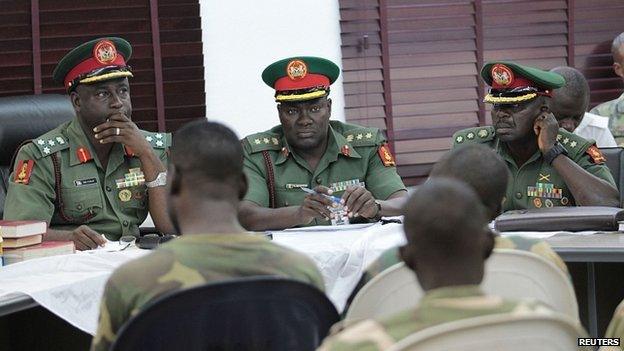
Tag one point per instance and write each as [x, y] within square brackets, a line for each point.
[549, 166]
[97, 174]
[614, 109]
[447, 245]
[202, 203]
[569, 103]
[485, 172]
[308, 150]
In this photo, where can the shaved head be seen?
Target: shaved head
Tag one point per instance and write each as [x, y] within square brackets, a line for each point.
[447, 235]
[570, 102]
[482, 169]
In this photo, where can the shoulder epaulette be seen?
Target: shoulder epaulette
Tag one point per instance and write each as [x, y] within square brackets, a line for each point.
[50, 143]
[364, 137]
[574, 144]
[474, 135]
[263, 141]
[158, 140]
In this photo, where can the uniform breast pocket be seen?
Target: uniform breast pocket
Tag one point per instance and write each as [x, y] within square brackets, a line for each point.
[79, 203]
[289, 197]
[133, 197]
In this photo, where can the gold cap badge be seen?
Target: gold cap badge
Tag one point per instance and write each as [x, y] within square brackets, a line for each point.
[105, 52]
[502, 75]
[296, 70]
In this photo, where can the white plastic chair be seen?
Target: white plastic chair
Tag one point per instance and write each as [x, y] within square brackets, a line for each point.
[512, 274]
[529, 331]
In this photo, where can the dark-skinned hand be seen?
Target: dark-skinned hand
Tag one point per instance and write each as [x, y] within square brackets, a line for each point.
[316, 205]
[546, 128]
[86, 238]
[359, 202]
[129, 134]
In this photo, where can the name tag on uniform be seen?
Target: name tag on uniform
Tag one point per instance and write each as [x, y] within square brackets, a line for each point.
[83, 182]
[295, 186]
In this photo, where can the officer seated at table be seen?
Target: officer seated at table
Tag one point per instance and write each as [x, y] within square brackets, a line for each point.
[308, 150]
[97, 174]
[549, 166]
[202, 203]
[447, 244]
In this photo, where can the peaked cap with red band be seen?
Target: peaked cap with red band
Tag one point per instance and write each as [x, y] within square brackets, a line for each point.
[94, 61]
[512, 83]
[300, 78]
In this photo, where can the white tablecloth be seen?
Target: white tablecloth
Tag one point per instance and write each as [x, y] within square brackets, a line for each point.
[71, 286]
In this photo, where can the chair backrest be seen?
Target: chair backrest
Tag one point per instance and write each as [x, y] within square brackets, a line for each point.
[615, 163]
[509, 273]
[504, 332]
[23, 118]
[257, 313]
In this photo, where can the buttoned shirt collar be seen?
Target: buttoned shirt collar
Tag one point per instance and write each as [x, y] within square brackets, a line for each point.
[77, 139]
[335, 143]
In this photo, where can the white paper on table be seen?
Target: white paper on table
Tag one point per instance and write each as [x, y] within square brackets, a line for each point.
[328, 228]
[342, 257]
[69, 286]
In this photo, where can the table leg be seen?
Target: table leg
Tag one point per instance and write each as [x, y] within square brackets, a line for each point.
[591, 300]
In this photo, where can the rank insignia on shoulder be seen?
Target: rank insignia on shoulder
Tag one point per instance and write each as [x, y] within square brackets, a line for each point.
[23, 171]
[386, 157]
[596, 155]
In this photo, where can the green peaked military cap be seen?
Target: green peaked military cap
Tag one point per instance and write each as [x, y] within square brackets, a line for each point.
[96, 60]
[301, 77]
[511, 82]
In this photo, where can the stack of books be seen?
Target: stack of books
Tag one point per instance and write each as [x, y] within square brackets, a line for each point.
[22, 240]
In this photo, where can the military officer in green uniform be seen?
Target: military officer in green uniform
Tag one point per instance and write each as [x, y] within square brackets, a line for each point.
[614, 109]
[447, 245]
[549, 166]
[97, 174]
[308, 150]
[213, 247]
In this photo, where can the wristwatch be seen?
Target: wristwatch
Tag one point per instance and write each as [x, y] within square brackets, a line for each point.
[377, 216]
[161, 180]
[556, 150]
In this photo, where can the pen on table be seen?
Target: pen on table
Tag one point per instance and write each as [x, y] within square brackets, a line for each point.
[310, 191]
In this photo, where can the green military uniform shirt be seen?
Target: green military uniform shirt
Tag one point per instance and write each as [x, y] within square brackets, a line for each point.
[189, 261]
[352, 156]
[391, 257]
[613, 109]
[88, 193]
[438, 306]
[537, 184]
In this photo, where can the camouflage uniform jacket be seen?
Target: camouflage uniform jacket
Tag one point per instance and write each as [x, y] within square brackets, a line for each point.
[354, 154]
[438, 306]
[189, 261]
[537, 184]
[391, 257]
[67, 186]
[616, 326]
[614, 110]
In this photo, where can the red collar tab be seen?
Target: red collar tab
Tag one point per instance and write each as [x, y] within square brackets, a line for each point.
[128, 151]
[83, 154]
[345, 150]
[104, 55]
